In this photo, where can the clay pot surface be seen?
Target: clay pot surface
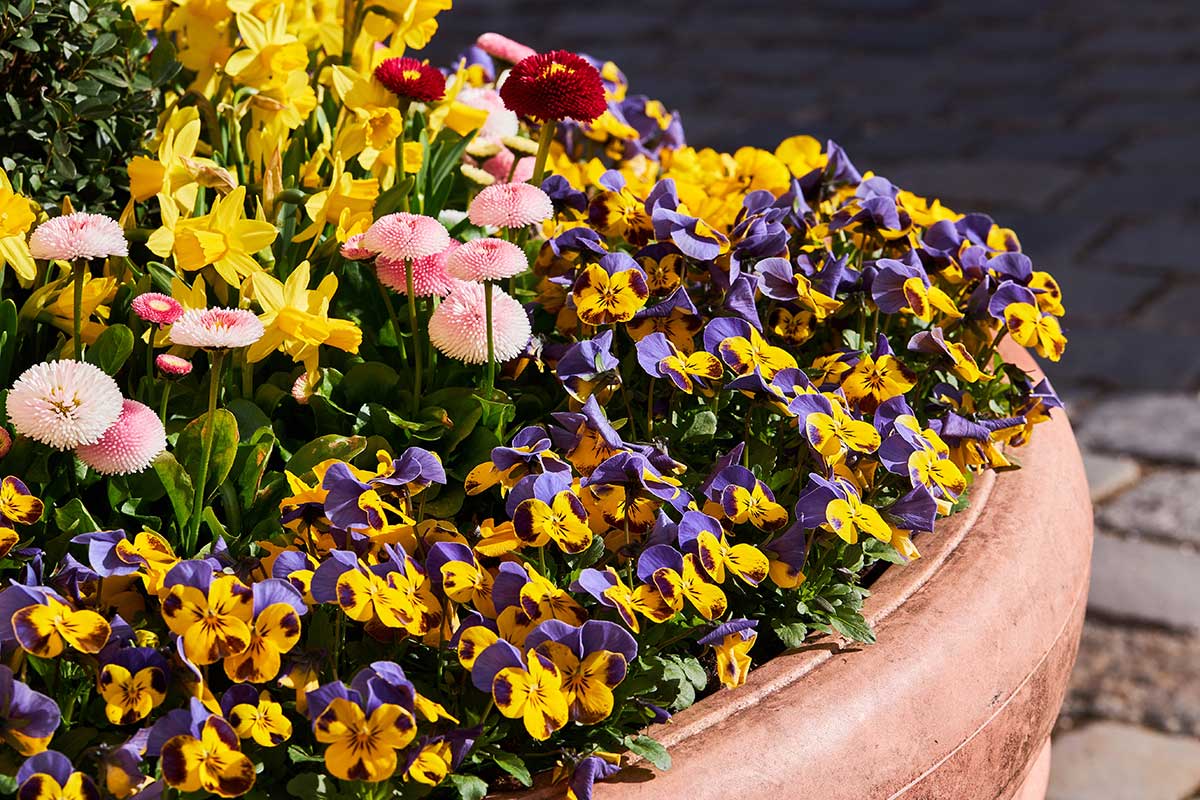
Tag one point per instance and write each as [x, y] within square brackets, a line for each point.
[976, 641]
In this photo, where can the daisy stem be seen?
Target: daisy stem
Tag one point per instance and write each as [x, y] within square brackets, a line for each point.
[545, 137]
[209, 430]
[152, 333]
[77, 310]
[416, 337]
[490, 380]
[391, 310]
[162, 406]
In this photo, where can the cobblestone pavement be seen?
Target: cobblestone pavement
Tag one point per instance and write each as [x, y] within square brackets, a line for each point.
[1075, 122]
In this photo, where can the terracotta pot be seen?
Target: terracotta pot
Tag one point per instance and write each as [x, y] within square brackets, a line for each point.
[976, 641]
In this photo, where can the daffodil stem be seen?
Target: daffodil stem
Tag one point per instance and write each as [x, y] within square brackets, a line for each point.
[490, 380]
[416, 337]
[208, 430]
[77, 311]
[543, 152]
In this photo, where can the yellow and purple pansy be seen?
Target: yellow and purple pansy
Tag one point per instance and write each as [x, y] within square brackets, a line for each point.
[49, 775]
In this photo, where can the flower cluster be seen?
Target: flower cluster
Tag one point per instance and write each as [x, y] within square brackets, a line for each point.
[418, 430]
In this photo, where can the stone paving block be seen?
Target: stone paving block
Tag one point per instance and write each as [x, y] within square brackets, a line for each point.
[1112, 193]
[1165, 504]
[1157, 427]
[1064, 144]
[1107, 475]
[1175, 310]
[1166, 243]
[1135, 674]
[987, 182]
[1115, 357]
[1171, 149]
[1135, 579]
[1112, 761]
[1091, 295]
[1136, 114]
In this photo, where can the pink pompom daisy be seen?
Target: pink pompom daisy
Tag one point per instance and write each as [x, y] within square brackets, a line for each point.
[400, 236]
[5, 442]
[510, 205]
[78, 235]
[129, 445]
[500, 166]
[458, 328]
[430, 278]
[302, 389]
[504, 48]
[158, 308]
[64, 403]
[173, 366]
[487, 260]
[217, 328]
[353, 249]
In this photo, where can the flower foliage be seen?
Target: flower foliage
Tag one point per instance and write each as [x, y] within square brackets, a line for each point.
[352, 478]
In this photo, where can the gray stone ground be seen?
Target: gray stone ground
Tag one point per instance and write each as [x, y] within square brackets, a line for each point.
[1075, 122]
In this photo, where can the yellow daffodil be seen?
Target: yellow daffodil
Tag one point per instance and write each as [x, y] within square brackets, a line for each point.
[296, 318]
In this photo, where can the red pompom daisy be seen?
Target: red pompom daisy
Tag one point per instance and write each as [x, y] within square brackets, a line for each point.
[129, 445]
[173, 366]
[410, 79]
[555, 85]
[158, 308]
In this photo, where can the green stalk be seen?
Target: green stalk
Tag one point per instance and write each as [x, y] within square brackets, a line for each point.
[650, 410]
[544, 139]
[490, 380]
[162, 406]
[391, 310]
[217, 357]
[412, 321]
[77, 278]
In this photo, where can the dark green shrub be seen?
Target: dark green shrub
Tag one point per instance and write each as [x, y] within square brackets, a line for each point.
[79, 92]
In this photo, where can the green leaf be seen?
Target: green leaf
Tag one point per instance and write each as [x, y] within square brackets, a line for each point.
[307, 785]
[74, 518]
[469, 787]
[704, 425]
[855, 628]
[189, 449]
[111, 349]
[343, 448]
[513, 765]
[695, 673]
[790, 633]
[649, 749]
[250, 418]
[177, 483]
[368, 381]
